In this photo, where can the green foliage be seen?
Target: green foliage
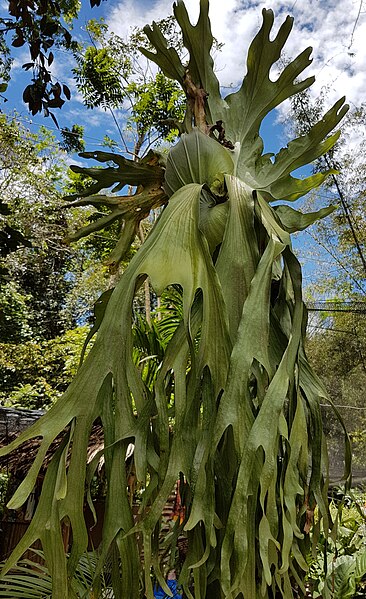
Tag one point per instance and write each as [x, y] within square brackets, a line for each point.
[158, 103]
[98, 78]
[11, 239]
[30, 177]
[76, 183]
[35, 374]
[45, 286]
[108, 74]
[73, 139]
[335, 240]
[5, 63]
[4, 483]
[344, 553]
[35, 255]
[228, 403]
[32, 580]
[40, 26]
[336, 352]
[14, 315]
[128, 211]
[336, 249]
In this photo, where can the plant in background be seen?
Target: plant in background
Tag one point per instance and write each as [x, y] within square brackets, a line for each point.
[338, 567]
[243, 432]
[35, 374]
[39, 26]
[4, 481]
[109, 75]
[31, 579]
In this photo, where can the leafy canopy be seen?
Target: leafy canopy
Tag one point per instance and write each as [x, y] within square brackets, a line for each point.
[40, 26]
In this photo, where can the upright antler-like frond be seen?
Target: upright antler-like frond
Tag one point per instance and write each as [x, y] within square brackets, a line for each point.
[230, 406]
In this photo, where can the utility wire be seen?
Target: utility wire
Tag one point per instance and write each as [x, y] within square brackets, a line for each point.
[94, 139]
[325, 405]
[346, 208]
[98, 141]
[327, 306]
[355, 25]
[331, 329]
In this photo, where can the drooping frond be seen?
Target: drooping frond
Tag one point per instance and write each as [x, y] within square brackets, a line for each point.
[230, 406]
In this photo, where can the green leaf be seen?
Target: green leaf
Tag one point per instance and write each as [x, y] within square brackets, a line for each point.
[274, 177]
[198, 40]
[46, 526]
[239, 252]
[147, 175]
[196, 158]
[213, 218]
[165, 57]
[99, 309]
[259, 94]
[340, 582]
[290, 188]
[294, 220]
[127, 172]
[360, 569]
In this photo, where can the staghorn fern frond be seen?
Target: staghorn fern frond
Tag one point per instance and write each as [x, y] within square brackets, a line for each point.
[246, 440]
[234, 120]
[146, 175]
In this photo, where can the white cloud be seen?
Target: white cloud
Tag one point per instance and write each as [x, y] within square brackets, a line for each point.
[93, 118]
[339, 52]
[20, 58]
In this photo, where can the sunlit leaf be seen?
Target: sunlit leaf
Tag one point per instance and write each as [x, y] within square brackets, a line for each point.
[217, 391]
[293, 220]
[196, 159]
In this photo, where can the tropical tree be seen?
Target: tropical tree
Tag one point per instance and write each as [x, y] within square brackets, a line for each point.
[30, 179]
[40, 26]
[35, 373]
[46, 286]
[341, 239]
[109, 75]
[40, 271]
[234, 409]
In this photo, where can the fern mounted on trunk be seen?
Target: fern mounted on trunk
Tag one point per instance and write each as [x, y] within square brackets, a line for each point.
[233, 410]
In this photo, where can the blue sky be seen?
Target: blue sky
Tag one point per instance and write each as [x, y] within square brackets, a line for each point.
[97, 123]
[335, 30]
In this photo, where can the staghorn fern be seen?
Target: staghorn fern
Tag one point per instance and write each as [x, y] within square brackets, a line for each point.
[247, 440]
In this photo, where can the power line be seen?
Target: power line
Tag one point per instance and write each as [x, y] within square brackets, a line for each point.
[355, 25]
[50, 127]
[325, 405]
[334, 306]
[331, 329]
[343, 201]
